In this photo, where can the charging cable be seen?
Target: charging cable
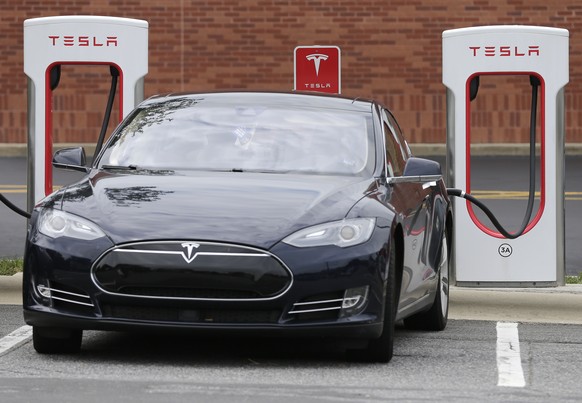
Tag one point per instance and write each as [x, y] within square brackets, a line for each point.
[535, 83]
[107, 116]
[55, 76]
[12, 207]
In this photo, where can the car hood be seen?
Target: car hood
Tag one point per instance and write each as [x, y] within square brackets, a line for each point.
[256, 209]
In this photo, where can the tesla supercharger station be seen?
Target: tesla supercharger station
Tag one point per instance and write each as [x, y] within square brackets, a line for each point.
[482, 256]
[121, 43]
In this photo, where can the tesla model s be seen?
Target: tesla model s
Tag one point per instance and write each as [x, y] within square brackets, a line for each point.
[268, 214]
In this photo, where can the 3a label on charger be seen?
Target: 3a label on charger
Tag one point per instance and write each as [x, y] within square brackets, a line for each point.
[505, 250]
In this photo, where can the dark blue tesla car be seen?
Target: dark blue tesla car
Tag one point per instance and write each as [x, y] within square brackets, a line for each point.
[303, 215]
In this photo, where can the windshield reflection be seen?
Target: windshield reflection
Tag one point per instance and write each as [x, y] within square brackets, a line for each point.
[185, 133]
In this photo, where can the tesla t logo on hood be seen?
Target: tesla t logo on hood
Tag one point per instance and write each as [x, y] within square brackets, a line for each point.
[189, 256]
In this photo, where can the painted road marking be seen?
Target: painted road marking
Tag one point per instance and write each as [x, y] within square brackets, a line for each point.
[12, 188]
[509, 369]
[15, 339]
[19, 188]
[516, 195]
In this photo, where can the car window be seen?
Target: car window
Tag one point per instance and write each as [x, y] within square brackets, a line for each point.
[399, 136]
[395, 157]
[252, 137]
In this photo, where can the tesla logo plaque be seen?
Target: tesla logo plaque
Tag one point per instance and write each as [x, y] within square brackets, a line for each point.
[188, 257]
[505, 250]
[317, 68]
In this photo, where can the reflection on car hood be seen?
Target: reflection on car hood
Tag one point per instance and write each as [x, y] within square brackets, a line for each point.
[246, 208]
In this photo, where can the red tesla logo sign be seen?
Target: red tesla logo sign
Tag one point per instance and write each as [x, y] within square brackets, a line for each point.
[318, 68]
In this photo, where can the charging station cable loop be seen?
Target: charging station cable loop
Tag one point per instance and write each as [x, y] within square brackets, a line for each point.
[535, 83]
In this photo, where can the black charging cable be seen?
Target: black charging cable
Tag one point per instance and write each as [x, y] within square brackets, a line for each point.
[55, 75]
[107, 116]
[54, 79]
[535, 83]
[12, 207]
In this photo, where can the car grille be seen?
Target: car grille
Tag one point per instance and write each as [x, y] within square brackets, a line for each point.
[189, 293]
[161, 314]
[191, 270]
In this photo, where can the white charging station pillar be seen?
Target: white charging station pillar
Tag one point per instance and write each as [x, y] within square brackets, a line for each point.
[76, 40]
[483, 257]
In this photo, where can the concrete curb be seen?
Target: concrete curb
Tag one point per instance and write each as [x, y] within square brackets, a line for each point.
[424, 149]
[11, 289]
[559, 305]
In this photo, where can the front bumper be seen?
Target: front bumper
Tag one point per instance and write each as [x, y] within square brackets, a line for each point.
[70, 297]
[368, 330]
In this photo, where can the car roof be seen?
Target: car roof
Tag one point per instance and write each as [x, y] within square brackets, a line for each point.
[300, 99]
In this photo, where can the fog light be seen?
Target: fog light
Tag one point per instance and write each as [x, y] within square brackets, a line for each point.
[354, 302]
[44, 291]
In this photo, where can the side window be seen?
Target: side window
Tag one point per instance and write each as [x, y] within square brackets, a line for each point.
[395, 158]
[399, 136]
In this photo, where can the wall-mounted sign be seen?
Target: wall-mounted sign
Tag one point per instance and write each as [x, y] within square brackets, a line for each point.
[317, 68]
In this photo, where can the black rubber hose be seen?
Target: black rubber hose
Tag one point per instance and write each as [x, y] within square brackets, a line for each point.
[460, 193]
[535, 83]
[107, 116]
[114, 75]
[12, 207]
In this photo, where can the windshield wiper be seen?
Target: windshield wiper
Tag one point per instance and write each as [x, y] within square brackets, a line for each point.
[120, 167]
[259, 170]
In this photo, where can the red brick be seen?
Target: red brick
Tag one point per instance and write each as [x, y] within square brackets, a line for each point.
[391, 51]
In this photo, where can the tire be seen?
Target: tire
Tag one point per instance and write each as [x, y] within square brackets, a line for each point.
[50, 340]
[436, 317]
[381, 349]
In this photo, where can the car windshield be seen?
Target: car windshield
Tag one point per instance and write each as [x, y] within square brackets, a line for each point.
[187, 134]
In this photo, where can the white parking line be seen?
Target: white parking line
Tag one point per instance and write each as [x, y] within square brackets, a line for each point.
[510, 372]
[15, 339]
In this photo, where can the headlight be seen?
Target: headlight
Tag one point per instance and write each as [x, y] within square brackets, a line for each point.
[343, 233]
[55, 224]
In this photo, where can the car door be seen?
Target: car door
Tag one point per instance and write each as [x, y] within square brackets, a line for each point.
[412, 201]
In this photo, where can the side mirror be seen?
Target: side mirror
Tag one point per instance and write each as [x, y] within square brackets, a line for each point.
[71, 158]
[421, 167]
[419, 170]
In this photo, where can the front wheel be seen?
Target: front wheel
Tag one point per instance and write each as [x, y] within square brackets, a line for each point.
[382, 348]
[52, 340]
[436, 317]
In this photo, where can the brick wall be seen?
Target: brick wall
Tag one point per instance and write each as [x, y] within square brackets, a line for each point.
[391, 51]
